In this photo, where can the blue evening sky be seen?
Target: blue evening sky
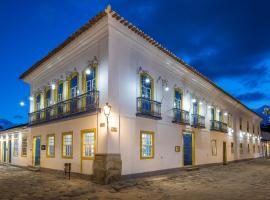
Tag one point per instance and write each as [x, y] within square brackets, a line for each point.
[228, 41]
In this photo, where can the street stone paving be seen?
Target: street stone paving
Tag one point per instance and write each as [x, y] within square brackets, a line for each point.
[243, 180]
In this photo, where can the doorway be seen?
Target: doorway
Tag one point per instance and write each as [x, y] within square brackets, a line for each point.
[188, 148]
[36, 151]
[224, 153]
[9, 151]
[4, 151]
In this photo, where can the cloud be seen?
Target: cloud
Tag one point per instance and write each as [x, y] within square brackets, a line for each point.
[252, 96]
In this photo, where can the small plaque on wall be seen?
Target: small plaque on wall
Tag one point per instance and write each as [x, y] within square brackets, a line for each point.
[102, 124]
[113, 129]
[177, 148]
[43, 147]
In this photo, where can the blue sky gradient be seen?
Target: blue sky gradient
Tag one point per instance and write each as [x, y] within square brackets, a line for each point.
[228, 41]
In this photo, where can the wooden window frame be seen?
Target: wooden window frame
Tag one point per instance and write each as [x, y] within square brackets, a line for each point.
[153, 145]
[47, 146]
[82, 143]
[62, 149]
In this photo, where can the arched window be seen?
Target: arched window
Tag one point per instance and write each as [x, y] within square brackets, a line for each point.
[147, 86]
[178, 99]
[73, 86]
[147, 92]
[38, 102]
[90, 80]
[47, 97]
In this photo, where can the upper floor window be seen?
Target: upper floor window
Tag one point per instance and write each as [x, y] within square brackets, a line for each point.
[146, 86]
[60, 92]
[90, 79]
[195, 107]
[230, 120]
[38, 102]
[220, 116]
[248, 126]
[240, 123]
[178, 99]
[213, 114]
[47, 97]
[73, 86]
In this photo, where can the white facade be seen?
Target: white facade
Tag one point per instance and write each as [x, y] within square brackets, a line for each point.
[122, 54]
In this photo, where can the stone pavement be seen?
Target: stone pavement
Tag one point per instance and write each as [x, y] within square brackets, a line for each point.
[244, 180]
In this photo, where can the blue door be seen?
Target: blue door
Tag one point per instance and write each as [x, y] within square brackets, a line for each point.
[5, 151]
[37, 152]
[9, 151]
[187, 149]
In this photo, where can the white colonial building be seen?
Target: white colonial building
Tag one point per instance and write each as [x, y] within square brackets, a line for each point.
[163, 113]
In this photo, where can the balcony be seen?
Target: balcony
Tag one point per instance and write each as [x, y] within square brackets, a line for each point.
[218, 126]
[197, 121]
[148, 108]
[85, 103]
[180, 116]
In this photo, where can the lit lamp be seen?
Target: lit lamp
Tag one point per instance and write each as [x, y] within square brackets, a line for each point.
[107, 110]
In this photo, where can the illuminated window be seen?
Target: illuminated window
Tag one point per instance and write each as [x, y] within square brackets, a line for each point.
[60, 90]
[50, 145]
[178, 99]
[90, 79]
[240, 123]
[88, 144]
[16, 146]
[67, 145]
[241, 148]
[232, 147]
[147, 144]
[24, 146]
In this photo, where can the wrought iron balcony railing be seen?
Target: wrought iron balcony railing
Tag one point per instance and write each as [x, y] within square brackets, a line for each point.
[148, 108]
[180, 116]
[88, 102]
[197, 121]
[218, 126]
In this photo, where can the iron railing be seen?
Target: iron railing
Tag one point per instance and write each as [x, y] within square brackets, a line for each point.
[180, 116]
[148, 108]
[218, 126]
[87, 102]
[197, 121]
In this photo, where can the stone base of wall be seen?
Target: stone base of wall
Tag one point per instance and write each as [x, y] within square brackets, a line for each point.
[107, 168]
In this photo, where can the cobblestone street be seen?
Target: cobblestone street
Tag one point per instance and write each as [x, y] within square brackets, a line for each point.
[244, 180]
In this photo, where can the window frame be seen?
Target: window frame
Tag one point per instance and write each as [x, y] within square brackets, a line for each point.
[62, 147]
[152, 147]
[47, 146]
[82, 143]
[24, 137]
[16, 153]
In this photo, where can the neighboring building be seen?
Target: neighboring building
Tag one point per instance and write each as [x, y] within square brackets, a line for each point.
[164, 114]
[265, 132]
[14, 145]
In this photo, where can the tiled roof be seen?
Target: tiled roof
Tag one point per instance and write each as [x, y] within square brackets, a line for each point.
[133, 28]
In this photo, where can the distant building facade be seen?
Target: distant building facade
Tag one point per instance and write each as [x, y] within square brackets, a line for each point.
[163, 113]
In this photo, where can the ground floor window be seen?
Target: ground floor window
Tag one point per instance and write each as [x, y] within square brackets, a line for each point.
[67, 145]
[254, 149]
[24, 146]
[51, 145]
[241, 148]
[146, 144]
[232, 147]
[248, 148]
[16, 146]
[88, 144]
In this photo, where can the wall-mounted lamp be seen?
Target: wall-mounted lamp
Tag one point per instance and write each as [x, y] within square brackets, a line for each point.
[87, 71]
[53, 86]
[31, 98]
[193, 100]
[225, 113]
